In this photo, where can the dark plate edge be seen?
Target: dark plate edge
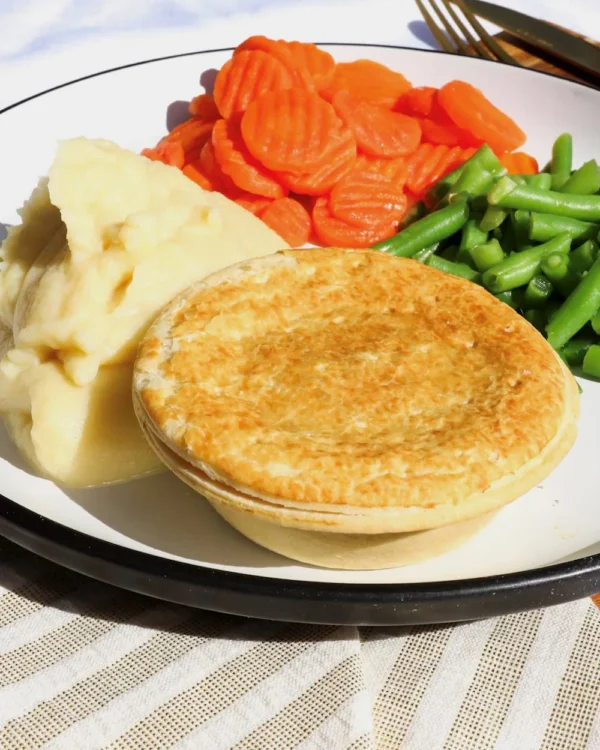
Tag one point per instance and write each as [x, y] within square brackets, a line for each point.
[294, 601]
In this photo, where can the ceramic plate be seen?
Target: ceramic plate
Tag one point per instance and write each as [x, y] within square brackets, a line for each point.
[158, 537]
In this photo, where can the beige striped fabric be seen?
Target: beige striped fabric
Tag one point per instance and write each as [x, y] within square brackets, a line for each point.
[84, 665]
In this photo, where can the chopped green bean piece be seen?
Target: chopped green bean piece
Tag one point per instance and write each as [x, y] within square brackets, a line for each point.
[518, 269]
[520, 221]
[557, 268]
[574, 351]
[475, 180]
[591, 361]
[487, 255]
[577, 310]
[543, 227]
[541, 181]
[508, 194]
[562, 160]
[584, 181]
[583, 257]
[424, 232]
[595, 321]
[456, 269]
[423, 254]
[519, 179]
[538, 291]
[471, 235]
[492, 218]
[537, 318]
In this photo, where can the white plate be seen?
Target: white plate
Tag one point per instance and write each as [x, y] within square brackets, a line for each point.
[556, 522]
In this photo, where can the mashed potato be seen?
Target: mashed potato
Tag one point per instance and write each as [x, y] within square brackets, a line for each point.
[106, 241]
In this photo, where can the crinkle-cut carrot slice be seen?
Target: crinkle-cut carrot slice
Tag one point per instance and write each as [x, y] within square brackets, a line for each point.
[284, 52]
[439, 134]
[320, 64]
[378, 131]
[195, 174]
[364, 199]
[192, 135]
[211, 169]
[341, 160]
[256, 204]
[238, 163]
[393, 169]
[204, 106]
[468, 108]
[245, 77]
[422, 164]
[334, 232]
[289, 219]
[519, 163]
[168, 152]
[292, 130]
[418, 101]
[369, 81]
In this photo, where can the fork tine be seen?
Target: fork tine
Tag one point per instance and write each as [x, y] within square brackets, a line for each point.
[473, 41]
[439, 36]
[489, 40]
[464, 48]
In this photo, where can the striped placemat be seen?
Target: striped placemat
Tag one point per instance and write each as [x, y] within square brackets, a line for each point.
[84, 665]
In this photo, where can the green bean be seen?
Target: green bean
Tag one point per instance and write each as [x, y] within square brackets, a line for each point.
[557, 269]
[562, 160]
[520, 221]
[426, 231]
[456, 269]
[484, 157]
[471, 235]
[537, 318]
[487, 255]
[507, 298]
[591, 361]
[541, 181]
[583, 257]
[508, 194]
[475, 180]
[595, 321]
[538, 291]
[577, 310]
[584, 181]
[423, 254]
[492, 218]
[518, 269]
[519, 179]
[543, 227]
[574, 351]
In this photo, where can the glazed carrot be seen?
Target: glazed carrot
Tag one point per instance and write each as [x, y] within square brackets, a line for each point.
[418, 100]
[169, 152]
[256, 204]
[204, 106]
[340, 161]
[392, 169]
[469, 109]
[519, 163]
[292, 130]
[236, 161]
[289, 219]
[437, 133]
[377, 130]
[364, 199]
[283, 51]
[319, 64]
[191, 135]
[210, 168]
[332, 231]
[245, 77]
[369, 81]
[195, 174]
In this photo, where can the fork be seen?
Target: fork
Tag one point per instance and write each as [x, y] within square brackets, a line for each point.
[448, 38]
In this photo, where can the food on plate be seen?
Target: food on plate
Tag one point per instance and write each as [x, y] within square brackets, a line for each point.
[286, 121]
[106, 241]
[351, 409]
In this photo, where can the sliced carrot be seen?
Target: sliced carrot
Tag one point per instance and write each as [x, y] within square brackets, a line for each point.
[236, 161]
[519, 163]
[418, 101]
[204, 106]
[292, 131]
[289, 219]
[192, 135]
[195, 174]
[469, 109]
[364, 199]
[256, 204]
[424, 163]
[335, 232]
[245, 77]
[283, 51]
[377, 130]
[437, 133]
[320, 64]
[168, 152]
[393, 169]
[211, 169]
[369, 81]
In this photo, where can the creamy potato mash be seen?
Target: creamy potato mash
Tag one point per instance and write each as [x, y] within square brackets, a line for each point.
[105, 242]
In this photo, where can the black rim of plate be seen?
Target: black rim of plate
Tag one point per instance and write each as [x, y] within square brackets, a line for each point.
[281, 599]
